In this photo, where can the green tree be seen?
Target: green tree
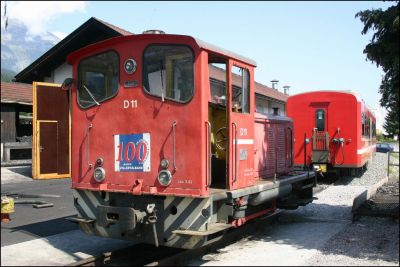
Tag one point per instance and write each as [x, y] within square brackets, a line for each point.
[384, 51]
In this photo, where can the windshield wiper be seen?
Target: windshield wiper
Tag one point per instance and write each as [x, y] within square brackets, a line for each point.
[162, 81]
[90, 94]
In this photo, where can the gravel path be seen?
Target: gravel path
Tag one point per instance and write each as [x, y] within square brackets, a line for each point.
[320, 233]
[377, 168]
[370, 241]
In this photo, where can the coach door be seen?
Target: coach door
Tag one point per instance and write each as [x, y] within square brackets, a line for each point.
[240, 125]
[51, 132]
[320, 142]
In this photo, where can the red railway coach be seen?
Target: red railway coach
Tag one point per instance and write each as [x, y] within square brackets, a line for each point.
[164, 154]
[334, 130]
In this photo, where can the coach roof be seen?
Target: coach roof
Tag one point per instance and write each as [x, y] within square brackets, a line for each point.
[201, 44]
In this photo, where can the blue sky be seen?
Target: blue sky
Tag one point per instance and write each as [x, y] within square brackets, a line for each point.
[307, 45]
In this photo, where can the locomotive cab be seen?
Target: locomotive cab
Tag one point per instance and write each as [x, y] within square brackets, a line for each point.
[163, 142]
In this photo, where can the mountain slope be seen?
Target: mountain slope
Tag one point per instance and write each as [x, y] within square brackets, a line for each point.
[19, 48]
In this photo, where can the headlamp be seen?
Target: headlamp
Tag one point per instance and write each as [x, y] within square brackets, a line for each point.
[99, 174]
[164, 177]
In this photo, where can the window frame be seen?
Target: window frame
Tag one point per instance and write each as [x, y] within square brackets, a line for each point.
[79, 78]
[242, 89]
[324, 119]
[194, 72]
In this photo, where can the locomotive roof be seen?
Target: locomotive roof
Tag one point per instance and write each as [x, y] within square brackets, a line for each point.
[214, 48]
[348, 92]
[202, 45]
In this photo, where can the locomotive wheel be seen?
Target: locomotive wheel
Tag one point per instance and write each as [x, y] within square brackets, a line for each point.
[221, 138]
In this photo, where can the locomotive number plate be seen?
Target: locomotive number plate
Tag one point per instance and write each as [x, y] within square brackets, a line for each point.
[132, 152]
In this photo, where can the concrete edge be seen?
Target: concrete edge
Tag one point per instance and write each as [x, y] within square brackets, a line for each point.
[367, 194]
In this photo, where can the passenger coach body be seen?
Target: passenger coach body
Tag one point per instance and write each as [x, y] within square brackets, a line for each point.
[164, 153]
[339, 127]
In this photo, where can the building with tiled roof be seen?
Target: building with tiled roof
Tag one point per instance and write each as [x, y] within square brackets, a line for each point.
[16, 107]
[16, 93]
[266, 98]
[52, 66]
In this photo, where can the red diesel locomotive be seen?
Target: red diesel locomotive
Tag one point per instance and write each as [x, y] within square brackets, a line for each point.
[334, 130]
[164, 153]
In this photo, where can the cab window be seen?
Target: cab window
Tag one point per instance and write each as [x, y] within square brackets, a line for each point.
[168, 72]
[240, 90]
[320, 119]
[98, 78]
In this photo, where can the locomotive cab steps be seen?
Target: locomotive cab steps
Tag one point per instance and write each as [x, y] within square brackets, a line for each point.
[212, 229]
[80, 220]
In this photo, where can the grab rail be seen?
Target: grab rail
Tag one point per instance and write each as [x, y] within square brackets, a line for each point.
[208, 125]
[236, 141]
[88, 144]
[174, 135]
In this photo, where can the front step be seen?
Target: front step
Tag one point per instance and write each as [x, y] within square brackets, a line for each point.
[212, 229]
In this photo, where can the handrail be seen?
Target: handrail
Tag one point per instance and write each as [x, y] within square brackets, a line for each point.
[236, 141]
[320, 140]
[208, 125]
[88, 144]
[174, 135]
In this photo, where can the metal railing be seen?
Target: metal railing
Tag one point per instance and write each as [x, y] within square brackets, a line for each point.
[320, 140]
[391, 164]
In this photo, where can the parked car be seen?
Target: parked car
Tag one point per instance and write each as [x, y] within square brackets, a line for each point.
[384, 147]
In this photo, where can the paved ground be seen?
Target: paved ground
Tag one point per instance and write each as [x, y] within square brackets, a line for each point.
[58, 250]
[43, 235]
[28, 223]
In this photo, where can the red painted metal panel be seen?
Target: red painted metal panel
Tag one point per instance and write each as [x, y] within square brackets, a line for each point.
[241, 129]
[151, 116]
[273, 145]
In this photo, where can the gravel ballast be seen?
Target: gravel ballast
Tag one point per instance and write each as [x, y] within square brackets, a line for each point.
[321, 233]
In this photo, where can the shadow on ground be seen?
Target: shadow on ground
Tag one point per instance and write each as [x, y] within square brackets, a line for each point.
[23, 170]
[45, 228]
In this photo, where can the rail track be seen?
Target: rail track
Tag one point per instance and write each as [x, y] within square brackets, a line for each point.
[148, 255]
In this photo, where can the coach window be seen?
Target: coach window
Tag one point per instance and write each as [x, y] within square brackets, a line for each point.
[168, 72]
[373, 129]
[363, 124]
[98, 78]
[240, 90]
[320, 119]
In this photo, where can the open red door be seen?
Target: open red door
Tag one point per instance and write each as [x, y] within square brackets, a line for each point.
[241, 125]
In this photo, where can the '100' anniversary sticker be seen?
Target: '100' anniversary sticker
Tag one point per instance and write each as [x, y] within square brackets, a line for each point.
[132, 152]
